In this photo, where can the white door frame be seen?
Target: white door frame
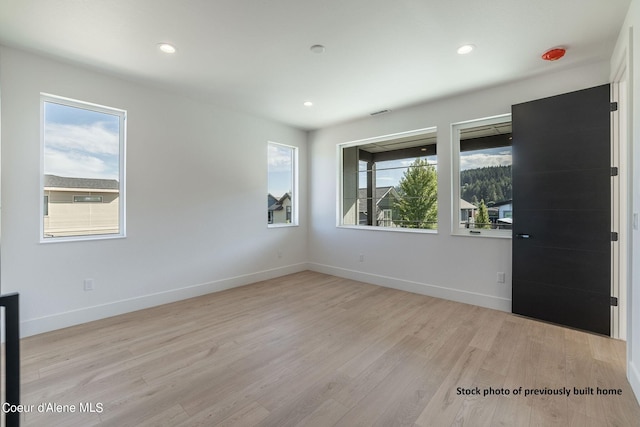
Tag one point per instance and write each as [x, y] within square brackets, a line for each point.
[620, 191]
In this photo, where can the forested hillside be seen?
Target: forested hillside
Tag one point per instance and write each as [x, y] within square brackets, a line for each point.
[491, 184]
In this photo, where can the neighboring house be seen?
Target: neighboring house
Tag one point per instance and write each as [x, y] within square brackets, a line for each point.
[385, 198]
[279, 210]
[467, 211]
[501, 213]
[80, 206]
[505, 209]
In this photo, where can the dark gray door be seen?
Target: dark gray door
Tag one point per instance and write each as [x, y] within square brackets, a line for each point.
[562, 209]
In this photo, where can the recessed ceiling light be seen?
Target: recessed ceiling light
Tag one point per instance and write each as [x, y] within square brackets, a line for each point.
[317, 48]
[308, 104]
[467, 48]
[167, 48]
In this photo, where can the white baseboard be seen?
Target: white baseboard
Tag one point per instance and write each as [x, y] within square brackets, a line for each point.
[633, 375]
[88, 314]
[488, 301]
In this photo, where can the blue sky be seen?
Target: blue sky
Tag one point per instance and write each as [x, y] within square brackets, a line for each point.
[80, 143]
[279, 167]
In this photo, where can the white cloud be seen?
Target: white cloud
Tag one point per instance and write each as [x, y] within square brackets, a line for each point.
[81, 151]
[480, 160]
[94, 138]
[77, 165]
[279, 158]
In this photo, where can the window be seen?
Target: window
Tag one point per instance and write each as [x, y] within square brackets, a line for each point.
[390, 182]
[87, 199]
[482, 177]
[387, 217]
[83, 148]
[282, 182]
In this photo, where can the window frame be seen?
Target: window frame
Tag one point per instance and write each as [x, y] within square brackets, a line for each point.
[429, 131]
[122, 137]
[294, 184]
[455, 178]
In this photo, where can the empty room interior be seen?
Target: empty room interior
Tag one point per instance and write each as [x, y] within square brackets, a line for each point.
[450, 234]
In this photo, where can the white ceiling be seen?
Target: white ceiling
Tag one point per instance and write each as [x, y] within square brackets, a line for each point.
[253, 55]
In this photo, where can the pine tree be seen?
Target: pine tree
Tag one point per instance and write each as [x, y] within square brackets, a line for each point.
[482, 218]
[493, 184]
[418, 190]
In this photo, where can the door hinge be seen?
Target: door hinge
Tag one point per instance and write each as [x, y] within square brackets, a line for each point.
[614, 106]
[614, 301]
[614, 236]
[614, 171]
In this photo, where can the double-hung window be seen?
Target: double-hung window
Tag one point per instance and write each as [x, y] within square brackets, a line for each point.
[82, 175]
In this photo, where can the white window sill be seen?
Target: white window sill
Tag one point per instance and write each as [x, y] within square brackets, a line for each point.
[483, 234]
[86, 238]
[281, 225]
[388, 229]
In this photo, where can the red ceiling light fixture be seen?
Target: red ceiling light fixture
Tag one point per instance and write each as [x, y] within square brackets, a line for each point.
[554, 54]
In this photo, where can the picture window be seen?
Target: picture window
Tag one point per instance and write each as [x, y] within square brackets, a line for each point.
[390, 182]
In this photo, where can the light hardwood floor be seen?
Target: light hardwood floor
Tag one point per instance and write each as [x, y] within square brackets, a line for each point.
[315, 350]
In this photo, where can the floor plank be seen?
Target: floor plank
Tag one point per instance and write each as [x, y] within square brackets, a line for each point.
[310, 349]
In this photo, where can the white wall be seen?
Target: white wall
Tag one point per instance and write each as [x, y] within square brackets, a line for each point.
[211, 233]
[633, 295]
[461, 268]
[196, 200]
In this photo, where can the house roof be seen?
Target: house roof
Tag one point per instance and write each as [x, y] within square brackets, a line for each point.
[381, 192]
[284, 197]
[275, 204]
[466, 205]
[54, 181]
[255, 56]
[502, 203]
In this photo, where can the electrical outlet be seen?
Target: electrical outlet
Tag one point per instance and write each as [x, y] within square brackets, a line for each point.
[88, 284]
[361, 258]
[279, 254]
[501, 277]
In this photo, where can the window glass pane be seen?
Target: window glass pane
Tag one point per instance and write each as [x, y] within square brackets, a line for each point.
[391, 183]
[485, 177]
[281, 184]
[82, 149]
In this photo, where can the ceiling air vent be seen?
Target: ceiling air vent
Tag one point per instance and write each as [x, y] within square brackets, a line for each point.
[377, 113]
